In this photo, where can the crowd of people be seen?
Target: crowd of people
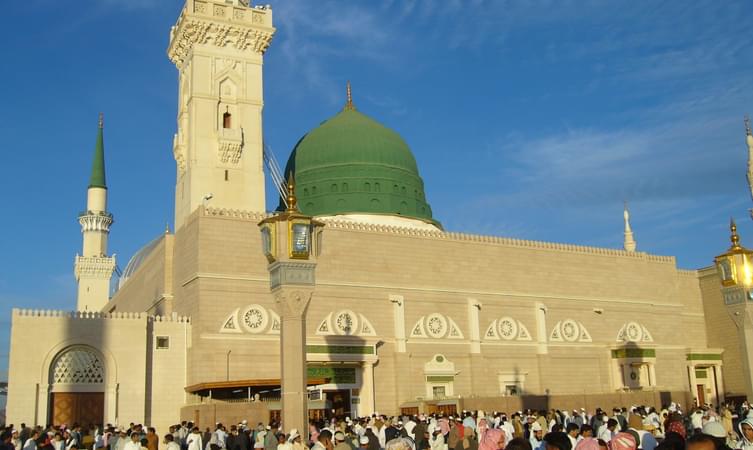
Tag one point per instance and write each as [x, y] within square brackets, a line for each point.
[632, 428]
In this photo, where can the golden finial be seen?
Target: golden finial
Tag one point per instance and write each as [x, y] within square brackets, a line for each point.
[349, 97]
[733, 236]
[292, 201]
[747, 125]
[101, 120]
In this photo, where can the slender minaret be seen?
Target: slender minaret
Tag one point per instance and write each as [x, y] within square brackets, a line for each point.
[629, 243]
[93, 268]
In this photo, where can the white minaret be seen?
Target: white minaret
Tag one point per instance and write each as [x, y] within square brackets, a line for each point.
[93, 268]
[629, 243]
[218, 48]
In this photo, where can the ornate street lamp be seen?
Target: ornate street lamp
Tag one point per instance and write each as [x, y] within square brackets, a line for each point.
[291, 241]
[735, 269]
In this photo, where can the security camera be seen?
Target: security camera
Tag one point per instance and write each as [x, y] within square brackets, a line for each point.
[209, 196]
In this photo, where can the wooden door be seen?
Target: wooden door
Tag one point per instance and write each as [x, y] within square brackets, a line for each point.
[77, 407]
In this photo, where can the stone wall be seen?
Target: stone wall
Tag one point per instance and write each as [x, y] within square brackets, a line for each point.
[139, 384]
[207, 414]
[570, 402]
[149, 288]
[220, 272]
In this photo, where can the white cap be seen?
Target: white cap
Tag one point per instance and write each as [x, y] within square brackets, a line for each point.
[363, 440]
[715, 429]
[536, 426]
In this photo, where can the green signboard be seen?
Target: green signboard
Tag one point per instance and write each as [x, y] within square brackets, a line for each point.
[334, 375]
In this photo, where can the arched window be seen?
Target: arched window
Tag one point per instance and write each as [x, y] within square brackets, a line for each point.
[77, 365]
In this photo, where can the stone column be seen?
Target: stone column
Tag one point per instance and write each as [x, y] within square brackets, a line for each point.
[745, 334]
[719, 381]
[474, 306]
[692, 381]
[541, 336]
[111, 403]
[398, 309]
[366, 406]
[43, 400]
[292, 305]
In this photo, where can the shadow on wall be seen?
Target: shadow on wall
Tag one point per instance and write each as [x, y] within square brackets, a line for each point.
[636, 391]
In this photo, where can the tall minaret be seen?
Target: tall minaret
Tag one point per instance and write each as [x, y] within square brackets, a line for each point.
[218, 48]
[93, 268]
[629, 243]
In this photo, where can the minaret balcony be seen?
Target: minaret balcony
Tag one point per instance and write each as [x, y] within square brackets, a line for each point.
[95, 221]
[230, 145]
[93, 266]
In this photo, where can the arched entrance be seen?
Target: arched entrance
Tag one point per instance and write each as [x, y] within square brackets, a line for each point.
[77, 380]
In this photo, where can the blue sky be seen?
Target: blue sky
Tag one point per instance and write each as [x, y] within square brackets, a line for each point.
[531, 119]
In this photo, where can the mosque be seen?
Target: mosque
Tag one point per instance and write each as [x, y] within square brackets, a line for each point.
[405, 316]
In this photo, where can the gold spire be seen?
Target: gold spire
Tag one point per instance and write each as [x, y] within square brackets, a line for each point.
[734, 238]
[349, 97]
[747, 126]
[101, 120]
[292, 201]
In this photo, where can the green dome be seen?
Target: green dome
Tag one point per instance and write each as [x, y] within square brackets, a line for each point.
[353, 164]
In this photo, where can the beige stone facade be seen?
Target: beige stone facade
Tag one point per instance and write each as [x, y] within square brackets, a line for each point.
[402, 318]
[433, 316]
[116, 355]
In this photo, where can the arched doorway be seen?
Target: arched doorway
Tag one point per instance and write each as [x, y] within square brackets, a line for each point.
[77, 380]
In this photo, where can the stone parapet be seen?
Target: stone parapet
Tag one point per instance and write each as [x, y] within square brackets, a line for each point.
[205, 22]
[689, 273]
[18, 312]
[234, 214]
[94, 266]
[348, 225]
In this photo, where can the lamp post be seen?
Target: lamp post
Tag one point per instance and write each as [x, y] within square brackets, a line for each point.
[291, 242]
[735, 270]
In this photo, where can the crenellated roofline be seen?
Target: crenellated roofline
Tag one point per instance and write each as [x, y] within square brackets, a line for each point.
[349, 225]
